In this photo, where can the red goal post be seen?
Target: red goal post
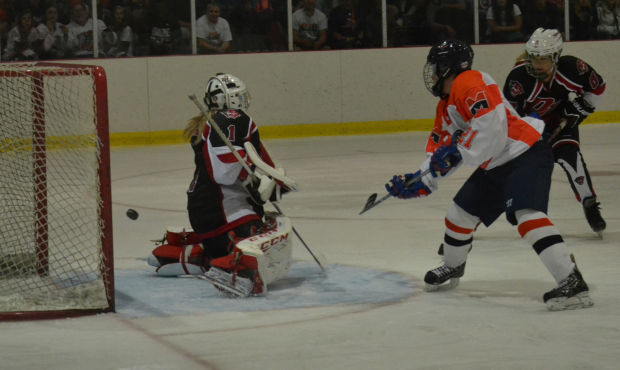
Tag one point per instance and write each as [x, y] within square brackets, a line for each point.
[56, 256]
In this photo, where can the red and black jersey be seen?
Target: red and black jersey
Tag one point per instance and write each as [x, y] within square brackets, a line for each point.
[217, 200]
[571, 76]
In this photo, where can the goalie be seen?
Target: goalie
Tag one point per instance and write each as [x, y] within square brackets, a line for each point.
[232, 242]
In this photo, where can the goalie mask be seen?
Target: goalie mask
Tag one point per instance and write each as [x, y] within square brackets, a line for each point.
[543, 44]
[226, 91]
[448, 58]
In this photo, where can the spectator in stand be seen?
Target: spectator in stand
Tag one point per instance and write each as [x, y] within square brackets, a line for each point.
[504, 21]
[541, 13]
[21, 40]
[82, 27]
[323, 5]
[271, 19]
[344, 26]
[166, 32]
[140, 16]
[608, 14]
[105, 11]
[373, 23]
[213, 31]
[55, 38]
[36, 8]
[119, 36]
[64, 10]
[448, 19]
[419, 25]
[4, 29]
[309, 27]
[582, 20]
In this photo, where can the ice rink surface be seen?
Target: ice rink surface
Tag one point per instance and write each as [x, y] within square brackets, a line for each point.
[370, 311]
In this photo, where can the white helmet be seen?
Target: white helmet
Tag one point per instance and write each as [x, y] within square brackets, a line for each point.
[542, 43]
[226, 91]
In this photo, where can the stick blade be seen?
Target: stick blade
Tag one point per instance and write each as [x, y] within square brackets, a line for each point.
[369, 203]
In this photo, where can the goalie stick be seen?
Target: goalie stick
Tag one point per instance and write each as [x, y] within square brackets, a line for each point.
[245, 166]
[372, 199]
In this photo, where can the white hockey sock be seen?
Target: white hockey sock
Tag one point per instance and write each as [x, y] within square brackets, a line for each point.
[537, 229]
[458, 237]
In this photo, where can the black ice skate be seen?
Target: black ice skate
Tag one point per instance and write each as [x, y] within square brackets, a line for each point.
[572, 293]
[436, 277]
[593, 215]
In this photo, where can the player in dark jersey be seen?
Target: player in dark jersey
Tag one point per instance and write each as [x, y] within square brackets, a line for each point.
[229, 227]
[562, 91]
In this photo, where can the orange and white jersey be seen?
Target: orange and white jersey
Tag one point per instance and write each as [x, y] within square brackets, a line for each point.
[493, 132]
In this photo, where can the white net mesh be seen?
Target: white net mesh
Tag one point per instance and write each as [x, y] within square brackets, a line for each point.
[51, 253]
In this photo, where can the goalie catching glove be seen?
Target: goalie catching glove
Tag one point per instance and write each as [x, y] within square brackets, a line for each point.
[576, 111]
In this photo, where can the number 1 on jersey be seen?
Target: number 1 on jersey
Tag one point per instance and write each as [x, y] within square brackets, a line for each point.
[231, 133]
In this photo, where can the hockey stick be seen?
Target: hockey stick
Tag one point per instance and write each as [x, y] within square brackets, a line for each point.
[372, 202]
[245, 166]
[557, 130]
[301, 240]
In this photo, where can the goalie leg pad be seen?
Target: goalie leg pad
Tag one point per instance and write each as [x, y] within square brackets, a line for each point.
[261, 258]
[182, 236]
[172, 260]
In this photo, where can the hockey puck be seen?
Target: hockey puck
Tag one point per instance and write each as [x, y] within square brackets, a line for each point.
[132, 213]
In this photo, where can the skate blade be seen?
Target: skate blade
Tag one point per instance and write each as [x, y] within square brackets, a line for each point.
[238, 290]
[581, 300]
[453, 283]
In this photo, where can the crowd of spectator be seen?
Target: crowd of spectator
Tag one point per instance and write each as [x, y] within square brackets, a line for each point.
[54, 29]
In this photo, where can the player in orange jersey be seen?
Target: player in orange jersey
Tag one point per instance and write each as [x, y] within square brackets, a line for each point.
[513, 174]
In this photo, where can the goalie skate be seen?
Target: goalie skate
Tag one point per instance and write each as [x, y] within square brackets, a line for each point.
[225, 281]
[436, 278]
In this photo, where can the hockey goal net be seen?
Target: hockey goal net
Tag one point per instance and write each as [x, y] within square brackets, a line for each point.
[55, 205]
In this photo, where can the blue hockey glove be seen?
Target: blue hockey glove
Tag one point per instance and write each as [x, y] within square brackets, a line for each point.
[401, 188]
[577, 110]
[446, 158]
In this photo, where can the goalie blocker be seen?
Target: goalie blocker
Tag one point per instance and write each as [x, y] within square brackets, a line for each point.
[254, 262]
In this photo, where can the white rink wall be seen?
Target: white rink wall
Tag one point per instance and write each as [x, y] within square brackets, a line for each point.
[150, 94]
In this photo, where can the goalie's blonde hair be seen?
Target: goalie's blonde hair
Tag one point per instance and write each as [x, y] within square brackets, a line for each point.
[195, 127]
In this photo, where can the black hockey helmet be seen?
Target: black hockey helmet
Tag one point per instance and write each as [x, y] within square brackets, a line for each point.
[447, 58]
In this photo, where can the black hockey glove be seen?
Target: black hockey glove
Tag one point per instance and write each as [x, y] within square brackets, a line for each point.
[576, 110]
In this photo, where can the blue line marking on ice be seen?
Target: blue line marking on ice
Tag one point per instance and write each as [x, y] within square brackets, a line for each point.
[141, 293]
